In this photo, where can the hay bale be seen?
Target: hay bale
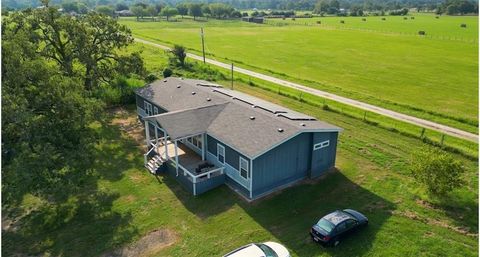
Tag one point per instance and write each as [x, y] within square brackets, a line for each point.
[463, 25]
[342, 21]
[422, 33]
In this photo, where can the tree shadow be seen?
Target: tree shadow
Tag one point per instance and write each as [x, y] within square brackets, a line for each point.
[79, 220]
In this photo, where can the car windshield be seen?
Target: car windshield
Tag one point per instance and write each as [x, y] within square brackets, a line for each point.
[267, 250]
[325, 225]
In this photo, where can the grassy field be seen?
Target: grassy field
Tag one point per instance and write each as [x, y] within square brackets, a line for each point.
[425, 77]
[121, 202]
[445, 27]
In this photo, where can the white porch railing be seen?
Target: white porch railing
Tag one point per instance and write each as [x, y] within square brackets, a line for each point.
[194, 177]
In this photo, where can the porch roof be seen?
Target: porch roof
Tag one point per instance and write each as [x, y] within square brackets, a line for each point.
[184, 123]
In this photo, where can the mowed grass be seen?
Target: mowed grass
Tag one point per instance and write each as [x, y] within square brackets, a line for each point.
[427, 78]
[443, 27]
[372, 177]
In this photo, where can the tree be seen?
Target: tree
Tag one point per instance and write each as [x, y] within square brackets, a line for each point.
[438, 171]
[195, 10]
[168, 12]
[151, 10]
[138, 11]
[46, 116]
[206, 11]
[219, 10]
[91, 42]
[178, 55]
[82, 8]
[121, 7]
[182, 9]
[105, 10]
[70, 6]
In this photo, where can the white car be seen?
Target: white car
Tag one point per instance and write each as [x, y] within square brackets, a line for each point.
[267, 249]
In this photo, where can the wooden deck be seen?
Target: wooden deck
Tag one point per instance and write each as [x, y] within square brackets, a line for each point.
[186, 156]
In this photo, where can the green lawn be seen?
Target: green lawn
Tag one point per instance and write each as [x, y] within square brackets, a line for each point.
[430, 78]
[125, 202]
[120, 202]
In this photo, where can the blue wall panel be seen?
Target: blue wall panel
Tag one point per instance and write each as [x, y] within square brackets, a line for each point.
[285, 163]
[324, 158]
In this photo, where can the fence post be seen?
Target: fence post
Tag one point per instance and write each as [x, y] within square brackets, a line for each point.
[443, 139]
[365, 116]
[422, 133]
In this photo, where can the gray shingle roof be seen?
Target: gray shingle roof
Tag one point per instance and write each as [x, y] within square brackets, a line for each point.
[247, 124]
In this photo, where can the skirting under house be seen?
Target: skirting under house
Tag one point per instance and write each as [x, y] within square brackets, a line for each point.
[205, 136]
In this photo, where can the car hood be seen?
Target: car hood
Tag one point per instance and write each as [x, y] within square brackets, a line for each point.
[360, 217]
[279, 249]
[246, 251]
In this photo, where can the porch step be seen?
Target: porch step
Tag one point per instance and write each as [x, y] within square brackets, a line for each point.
[154, 164]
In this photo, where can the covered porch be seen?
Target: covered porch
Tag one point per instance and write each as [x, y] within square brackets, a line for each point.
[182, 156]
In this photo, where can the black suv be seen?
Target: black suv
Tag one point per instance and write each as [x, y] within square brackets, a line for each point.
[332, 227]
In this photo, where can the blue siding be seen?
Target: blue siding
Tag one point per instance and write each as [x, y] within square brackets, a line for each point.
[324, 158]
[232, 161]
[200, 186]
[284, 164]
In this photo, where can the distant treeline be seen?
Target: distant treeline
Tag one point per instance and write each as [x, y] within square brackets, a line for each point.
[229, 8]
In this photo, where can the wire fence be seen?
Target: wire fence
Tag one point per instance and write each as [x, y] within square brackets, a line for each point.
[345, 27]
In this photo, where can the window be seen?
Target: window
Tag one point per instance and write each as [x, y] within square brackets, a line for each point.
[148, 108]
[243, 168]
[221, 153]
[155, 110]
[196, 141]
[321, 145]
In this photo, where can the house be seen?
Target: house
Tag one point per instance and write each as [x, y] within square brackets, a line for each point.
[205, 135]
[253, 19]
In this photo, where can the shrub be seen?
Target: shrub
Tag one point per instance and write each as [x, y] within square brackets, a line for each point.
[342, 21]
[405, 18]
[167, 72]
[438, 171]
[364, 19]
[319, 22]
[151, 78]
[412, 18]
[422, 33]
[463, 25]
[383, 19]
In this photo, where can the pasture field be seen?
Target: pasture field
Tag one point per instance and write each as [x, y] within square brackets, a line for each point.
[122, 202]
[445, 27]
[425, 77]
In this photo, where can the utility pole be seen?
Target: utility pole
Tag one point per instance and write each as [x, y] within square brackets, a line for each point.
[203, 45]
[232, 76]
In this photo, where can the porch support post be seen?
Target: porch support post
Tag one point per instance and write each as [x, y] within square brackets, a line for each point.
[176, 156]
[156, 136]
[147, 132]
[166, 144]
[203, 147]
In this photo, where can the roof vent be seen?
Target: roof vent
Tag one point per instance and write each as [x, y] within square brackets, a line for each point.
[209, 99]
[252, 117]
[303, 124]
[179, 86]
[193, 93]
[280, 130]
